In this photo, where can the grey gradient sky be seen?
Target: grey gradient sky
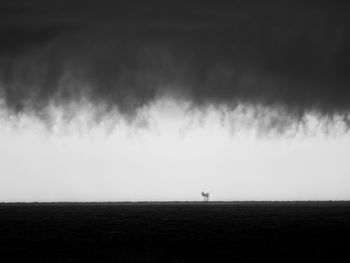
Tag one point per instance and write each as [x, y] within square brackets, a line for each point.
[136, 100]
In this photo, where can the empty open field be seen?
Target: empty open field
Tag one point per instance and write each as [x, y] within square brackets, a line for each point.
[176, 232]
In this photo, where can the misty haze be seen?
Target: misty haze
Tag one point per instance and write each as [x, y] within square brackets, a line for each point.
[174, 131]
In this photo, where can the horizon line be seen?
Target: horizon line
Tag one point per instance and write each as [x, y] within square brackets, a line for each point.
[169, 202]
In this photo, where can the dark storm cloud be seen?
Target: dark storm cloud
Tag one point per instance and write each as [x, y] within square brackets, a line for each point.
[125, 54]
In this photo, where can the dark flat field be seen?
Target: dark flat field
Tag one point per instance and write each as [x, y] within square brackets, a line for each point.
[176, 232]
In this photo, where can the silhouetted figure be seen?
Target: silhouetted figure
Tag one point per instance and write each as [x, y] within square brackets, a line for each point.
[205, 196]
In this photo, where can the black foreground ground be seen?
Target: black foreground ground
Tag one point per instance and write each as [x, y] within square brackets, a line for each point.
[176, 232]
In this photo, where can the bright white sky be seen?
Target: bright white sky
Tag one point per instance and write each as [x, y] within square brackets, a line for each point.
[173, 159]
